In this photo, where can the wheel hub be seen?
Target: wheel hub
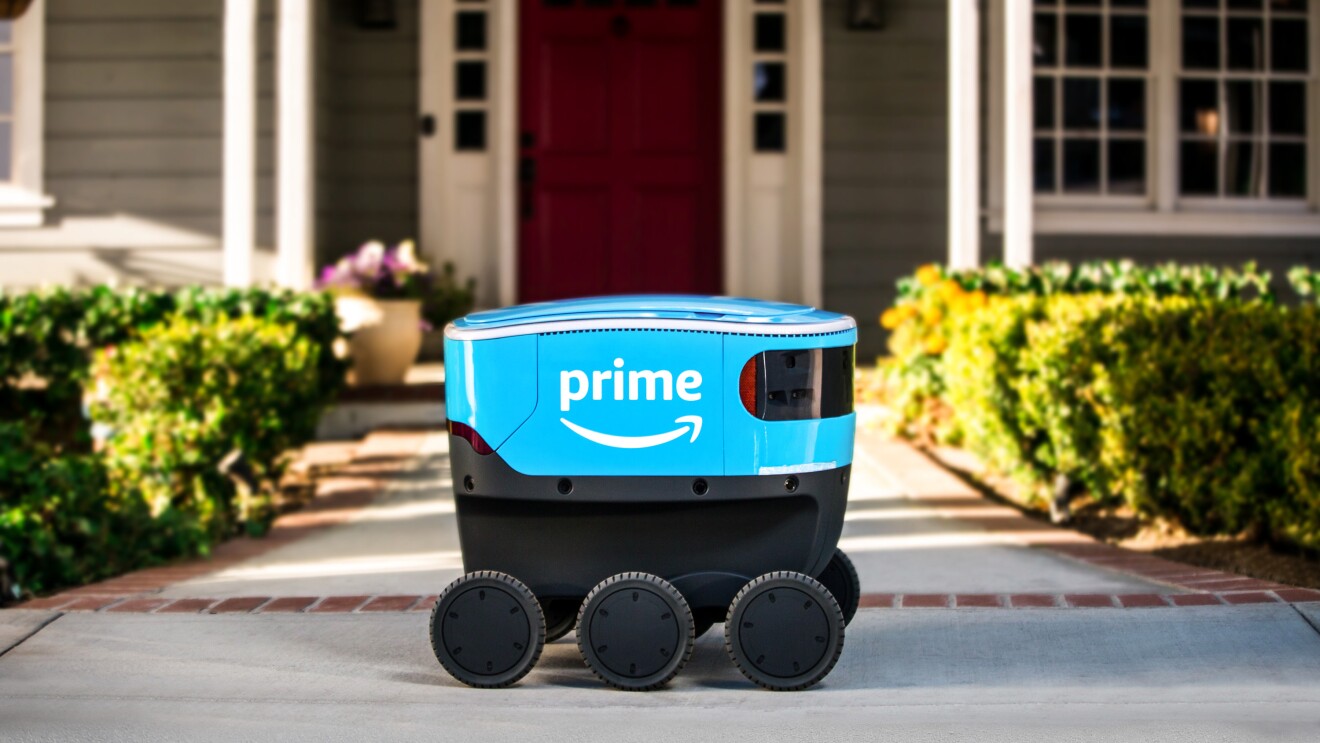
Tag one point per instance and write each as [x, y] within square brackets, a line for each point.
[486, 631]
[784, 632]
[634, 632]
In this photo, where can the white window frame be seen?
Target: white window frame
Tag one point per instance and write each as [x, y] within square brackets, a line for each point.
[23, 199]
[1162, 211]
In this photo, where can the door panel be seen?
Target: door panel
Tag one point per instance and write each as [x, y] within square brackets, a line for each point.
[620, 145]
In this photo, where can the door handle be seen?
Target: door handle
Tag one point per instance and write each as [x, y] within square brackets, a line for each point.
[527, 170]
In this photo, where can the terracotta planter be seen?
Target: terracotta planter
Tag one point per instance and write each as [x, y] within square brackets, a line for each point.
[386, 335]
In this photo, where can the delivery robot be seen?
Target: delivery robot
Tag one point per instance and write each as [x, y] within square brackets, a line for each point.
[640, 468]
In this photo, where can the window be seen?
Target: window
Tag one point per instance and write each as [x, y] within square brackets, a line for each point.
[1160, 108]
[769, 77]
[21, 91]
[1092, 70]
[1242, 99]
[471, 60]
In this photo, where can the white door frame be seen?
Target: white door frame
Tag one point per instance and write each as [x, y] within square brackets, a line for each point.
[772, 203]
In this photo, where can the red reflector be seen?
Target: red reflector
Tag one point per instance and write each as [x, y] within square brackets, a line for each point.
[747, 385]
[465, 432]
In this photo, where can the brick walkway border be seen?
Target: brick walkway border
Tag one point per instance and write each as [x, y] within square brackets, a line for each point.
[404, 604]
[920, 478]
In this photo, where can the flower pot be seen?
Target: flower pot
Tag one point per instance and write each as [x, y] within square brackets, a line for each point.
[386, 334]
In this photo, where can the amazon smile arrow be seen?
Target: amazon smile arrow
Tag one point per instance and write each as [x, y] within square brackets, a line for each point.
[638, 442]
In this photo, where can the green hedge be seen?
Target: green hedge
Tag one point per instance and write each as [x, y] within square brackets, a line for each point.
[182, 379]
[1200, 406]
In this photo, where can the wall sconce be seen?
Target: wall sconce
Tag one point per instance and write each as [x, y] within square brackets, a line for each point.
[865, 15]
[11, 9]
[376, 15]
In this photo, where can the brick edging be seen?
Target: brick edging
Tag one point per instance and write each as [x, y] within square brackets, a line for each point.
[400, 604]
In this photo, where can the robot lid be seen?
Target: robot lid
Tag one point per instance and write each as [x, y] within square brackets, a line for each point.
[646, 311]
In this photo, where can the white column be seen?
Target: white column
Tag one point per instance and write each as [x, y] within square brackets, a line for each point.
[295, 183]
[964, 134]
[1018, 191]
[240, 128]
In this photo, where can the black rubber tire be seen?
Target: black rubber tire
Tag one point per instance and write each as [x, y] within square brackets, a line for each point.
[497, 620]
[784, 631]
[560, 617]
[840, 577]
[635, 631]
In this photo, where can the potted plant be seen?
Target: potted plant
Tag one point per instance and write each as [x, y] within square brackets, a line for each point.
[446, 300]
[379, 292]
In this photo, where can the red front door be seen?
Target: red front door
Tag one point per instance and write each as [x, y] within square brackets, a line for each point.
[620, 147]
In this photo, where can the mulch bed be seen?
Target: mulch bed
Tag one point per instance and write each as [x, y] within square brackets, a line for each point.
[1120, 527]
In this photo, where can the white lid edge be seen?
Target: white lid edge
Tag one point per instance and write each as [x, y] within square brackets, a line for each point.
[651, 323]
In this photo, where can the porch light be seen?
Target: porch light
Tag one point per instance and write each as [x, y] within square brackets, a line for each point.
[865, 15]
[11, 10]
[376, 15]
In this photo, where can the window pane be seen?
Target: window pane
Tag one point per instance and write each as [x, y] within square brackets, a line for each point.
[1127, 41]
[1127, 166]
[1127, 104]
[1043, 164]
[1198, 169]
[1200, 43]
[1244, 4]
[470, 130]
[1043, 102]
[1288, 170]
[1081, 3]
[1243, 106]
[1128, 3]
[770, 35]
[1198, 107]
[1081, 42]
[768, 81]
[1288, 108]
[1246, 44]
[769, 134]
[1045, 49]
[1081, 165]
[1288, 45]
[1288, 6]
[1081, 103]
[6, 151]
[1200, 3]
[470, 31]
[470, 81]
[6, 83]
[1244, 169]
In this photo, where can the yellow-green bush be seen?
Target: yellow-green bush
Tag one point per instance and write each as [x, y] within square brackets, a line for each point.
[1201, 408]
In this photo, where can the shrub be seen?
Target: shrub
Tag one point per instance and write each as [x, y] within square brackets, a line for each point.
[189, 392]
[60, 522]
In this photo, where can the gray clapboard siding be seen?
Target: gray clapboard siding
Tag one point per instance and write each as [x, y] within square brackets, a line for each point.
[134, 145]
[885, 140]
[161, 39]
[366, 130]
[132, 10]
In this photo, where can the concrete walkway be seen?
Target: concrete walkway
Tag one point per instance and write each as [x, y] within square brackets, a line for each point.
[406, 542]
[1216, 673]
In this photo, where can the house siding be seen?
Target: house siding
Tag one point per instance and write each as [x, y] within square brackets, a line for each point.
[133, 146]
[885, 156]
[367, 130]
